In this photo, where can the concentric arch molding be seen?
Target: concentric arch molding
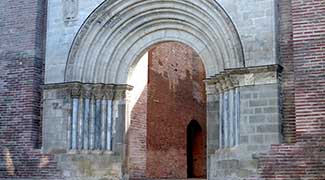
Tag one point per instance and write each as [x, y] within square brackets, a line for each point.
[118, 32]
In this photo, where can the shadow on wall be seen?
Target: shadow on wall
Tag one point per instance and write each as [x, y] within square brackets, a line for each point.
[14, 163]
[168, 93]
[195, 150]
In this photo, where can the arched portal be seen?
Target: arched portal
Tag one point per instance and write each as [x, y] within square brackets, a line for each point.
[86, 120]
[195, 151]
[109, 44]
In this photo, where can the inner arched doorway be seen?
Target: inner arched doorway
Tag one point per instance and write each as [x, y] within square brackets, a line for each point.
[168, 93]
[195, 151]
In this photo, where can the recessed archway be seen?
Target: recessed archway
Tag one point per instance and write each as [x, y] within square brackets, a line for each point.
[117, 33]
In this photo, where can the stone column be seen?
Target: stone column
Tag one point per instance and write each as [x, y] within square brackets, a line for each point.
[86, 94]
[226, 89]
[75, 94]
[212, 117]
[119, 117]
[220, 130]
[109, 94]
[231, 112]
[98, 94]
[92, 122]
[119, 123]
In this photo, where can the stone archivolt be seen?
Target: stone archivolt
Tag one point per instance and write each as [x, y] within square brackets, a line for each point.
[118, 32]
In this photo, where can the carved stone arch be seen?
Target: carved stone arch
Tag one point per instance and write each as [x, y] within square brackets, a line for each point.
[88, 114]
[118, 31]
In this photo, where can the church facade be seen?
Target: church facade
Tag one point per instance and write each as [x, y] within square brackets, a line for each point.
[162, 89]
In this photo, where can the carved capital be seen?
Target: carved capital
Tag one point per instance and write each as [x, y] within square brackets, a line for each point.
[233, 78]
[120, 94]
[235, 82]
[108, 91]
[98, 91]
[228, 82]
[75, 90]
[121, 90]
[86, 91]
[219, 87]
[222, 81]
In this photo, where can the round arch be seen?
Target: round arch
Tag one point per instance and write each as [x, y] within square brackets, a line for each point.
[118, 31]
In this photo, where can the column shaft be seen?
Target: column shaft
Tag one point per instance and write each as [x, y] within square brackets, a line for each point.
[74, 128]
[86, 124]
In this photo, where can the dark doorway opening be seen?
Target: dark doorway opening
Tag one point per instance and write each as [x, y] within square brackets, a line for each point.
[195, 151]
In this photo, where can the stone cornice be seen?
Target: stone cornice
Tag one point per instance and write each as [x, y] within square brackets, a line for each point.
[232, 78]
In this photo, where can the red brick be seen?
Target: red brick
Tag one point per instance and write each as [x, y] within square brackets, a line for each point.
[302, 55]
[22, 38]
[175, 96]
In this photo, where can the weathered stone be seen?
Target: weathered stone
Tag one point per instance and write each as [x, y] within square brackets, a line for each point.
[91, 46]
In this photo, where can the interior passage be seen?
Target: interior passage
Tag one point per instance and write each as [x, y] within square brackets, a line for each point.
[161, 111]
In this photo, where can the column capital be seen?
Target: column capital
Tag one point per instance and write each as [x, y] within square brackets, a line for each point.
[108, 91]
[219, 87]
[86, 90]
[75, 90]
[120, 91]
[228, 82]
[237, 77]
[98, 91]
[221, 81]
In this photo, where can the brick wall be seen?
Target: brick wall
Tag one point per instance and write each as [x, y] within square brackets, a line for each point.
[175, 95]
[305, 159]
[293, 161]
[309, 60]
[22, 40]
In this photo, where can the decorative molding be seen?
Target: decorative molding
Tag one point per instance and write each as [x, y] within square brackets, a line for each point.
[109, 91]
[121, 91]
[75, 90]
[86, 91]
[97, 90]
[137, 25]
[238, 77]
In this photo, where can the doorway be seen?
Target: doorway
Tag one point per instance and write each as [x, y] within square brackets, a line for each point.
[168, 93]
[195, 153]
